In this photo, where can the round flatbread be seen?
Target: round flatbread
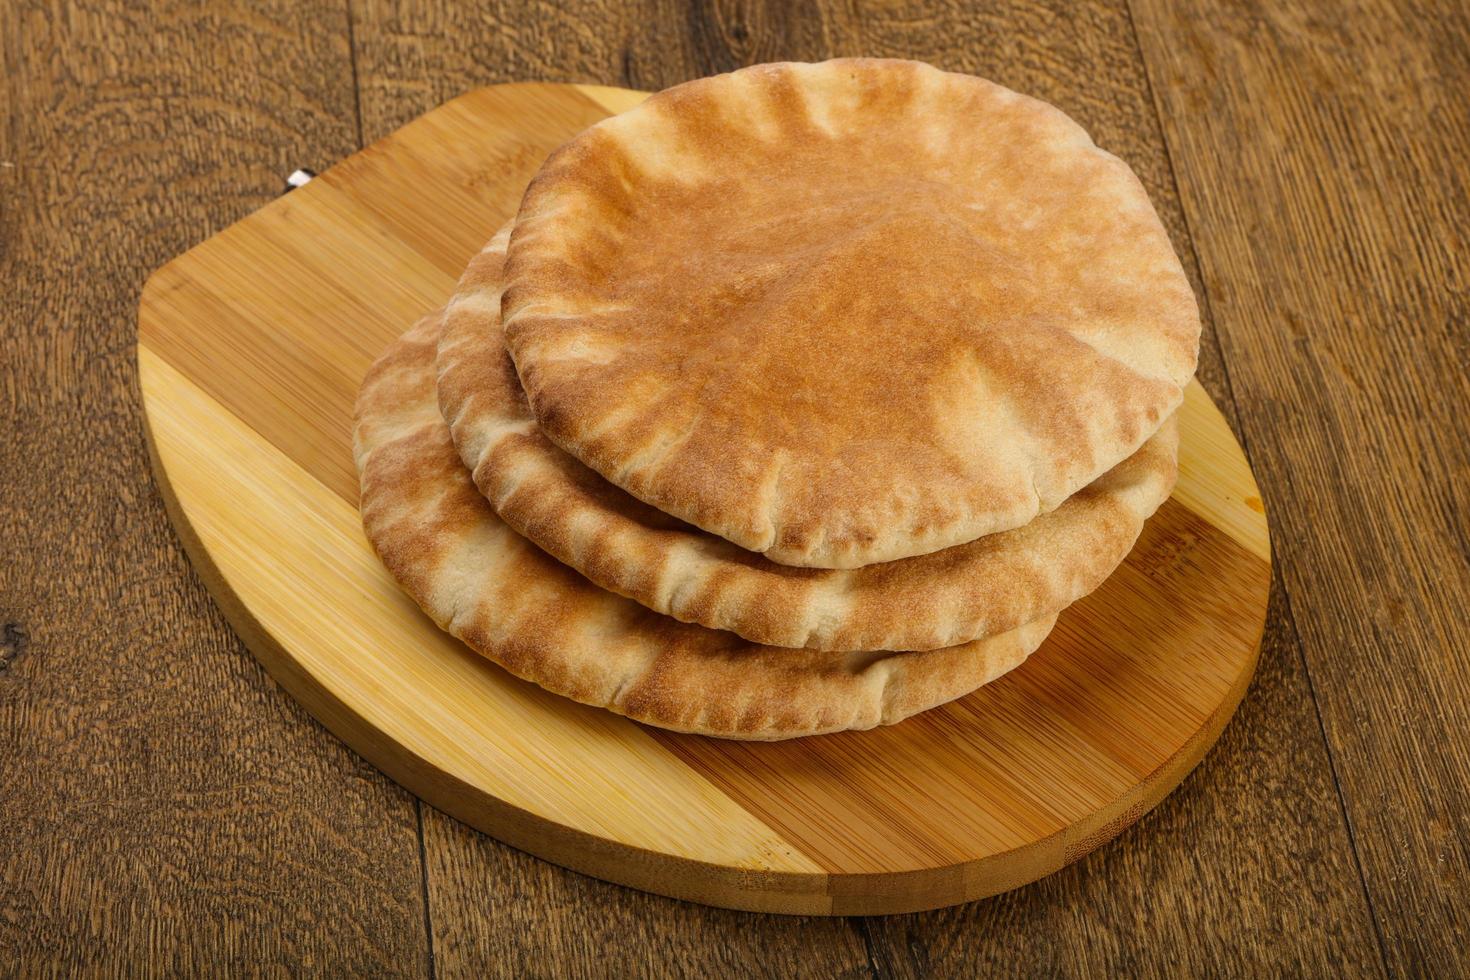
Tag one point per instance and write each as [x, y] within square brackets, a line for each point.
[543, 622]
[977, 589]
[847, 312]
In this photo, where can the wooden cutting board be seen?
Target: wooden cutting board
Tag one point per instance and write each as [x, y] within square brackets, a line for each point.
[250, 350]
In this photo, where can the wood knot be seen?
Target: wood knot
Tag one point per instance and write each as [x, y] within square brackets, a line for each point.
[13, 640]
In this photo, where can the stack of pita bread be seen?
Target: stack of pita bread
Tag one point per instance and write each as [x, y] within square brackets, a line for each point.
[794, 400]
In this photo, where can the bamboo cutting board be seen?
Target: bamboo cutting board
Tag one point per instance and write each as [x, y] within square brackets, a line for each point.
[250, 350]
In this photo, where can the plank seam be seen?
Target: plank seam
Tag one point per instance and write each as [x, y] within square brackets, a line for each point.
[356, 78]
[424, 887]
[1188, 227]
[866, 934]
[1279, 578]
[1342, 806]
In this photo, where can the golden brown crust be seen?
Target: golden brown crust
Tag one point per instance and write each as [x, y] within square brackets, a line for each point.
[847, 312]
[542, 621]
[980, 588]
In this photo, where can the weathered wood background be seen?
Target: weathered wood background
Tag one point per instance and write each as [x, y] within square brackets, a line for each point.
[163, 804]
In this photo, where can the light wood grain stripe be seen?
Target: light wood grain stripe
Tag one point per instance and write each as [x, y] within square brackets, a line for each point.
[294, 554]
[304, 293]
[614, 100]
[1215, 480]
[258, 283]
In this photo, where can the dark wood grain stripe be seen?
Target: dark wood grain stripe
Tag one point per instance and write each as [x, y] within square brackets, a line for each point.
[1127, 678]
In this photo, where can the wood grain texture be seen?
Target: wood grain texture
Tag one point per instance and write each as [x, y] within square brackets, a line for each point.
[164, 807]
[1248, 864]
[247, 344]
[500, 912]
[1321, 160]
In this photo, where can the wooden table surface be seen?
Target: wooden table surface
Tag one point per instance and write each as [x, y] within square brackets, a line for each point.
[163, 803]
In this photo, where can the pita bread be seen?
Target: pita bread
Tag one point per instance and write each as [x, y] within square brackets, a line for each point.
[953, 596]
[542, 621]
[848, 312]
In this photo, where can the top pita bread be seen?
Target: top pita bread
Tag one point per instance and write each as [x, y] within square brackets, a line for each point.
[975, 589]
[847, 312]
[542, 621]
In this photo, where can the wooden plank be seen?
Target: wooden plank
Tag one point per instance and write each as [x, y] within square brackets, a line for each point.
[165, 807]
[1321, 163]
[412, 55]
[499, 912]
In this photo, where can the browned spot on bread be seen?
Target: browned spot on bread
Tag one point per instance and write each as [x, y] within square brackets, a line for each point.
[847, 312]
